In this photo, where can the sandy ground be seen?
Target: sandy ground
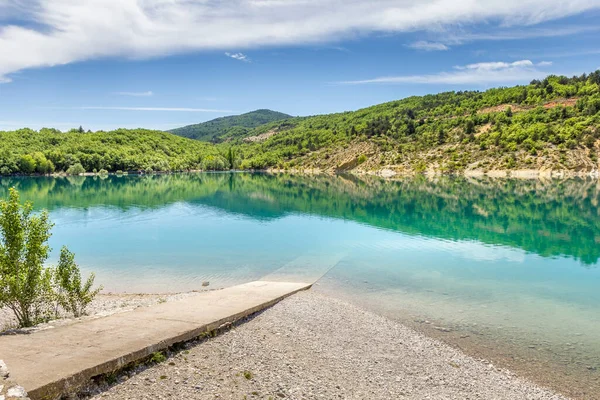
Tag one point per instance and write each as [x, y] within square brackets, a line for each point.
[310, 346]
[104, 304]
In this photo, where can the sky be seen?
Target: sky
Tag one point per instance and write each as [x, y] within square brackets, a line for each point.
[161, 64]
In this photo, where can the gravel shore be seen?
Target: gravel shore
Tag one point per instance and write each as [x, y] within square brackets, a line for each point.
[310, 346]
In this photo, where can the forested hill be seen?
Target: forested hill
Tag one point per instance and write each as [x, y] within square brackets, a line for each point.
[234, 126]
[41, 152]
[552, 123]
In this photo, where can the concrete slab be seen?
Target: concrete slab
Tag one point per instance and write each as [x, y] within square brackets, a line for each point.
[50, 362]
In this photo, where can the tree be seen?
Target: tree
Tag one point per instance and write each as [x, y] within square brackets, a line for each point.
[73, 295]
[27, 164]
[80, 130]
[231, 158]
[25, 285]
[441, 136]
[76, 169]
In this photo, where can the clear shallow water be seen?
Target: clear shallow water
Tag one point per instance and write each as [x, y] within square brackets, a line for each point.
[507, 266]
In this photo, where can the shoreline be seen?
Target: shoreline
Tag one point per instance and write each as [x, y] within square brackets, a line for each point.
[386, 173]
[508, 357]
[314, 346]
[485, 342]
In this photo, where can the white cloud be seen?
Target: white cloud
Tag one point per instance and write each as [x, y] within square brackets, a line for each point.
[59, 32]
[480, 73]
[135, 94]
[238, 56]
[428, 46]
[178, 109]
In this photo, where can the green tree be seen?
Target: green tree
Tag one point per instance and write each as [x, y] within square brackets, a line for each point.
[232, 158]
[27, 164]
[76, 169]
[73, 295]
[25, 285]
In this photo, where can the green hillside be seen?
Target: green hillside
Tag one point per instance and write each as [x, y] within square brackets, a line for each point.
[234, 126]
[553, 123]
[26, 151]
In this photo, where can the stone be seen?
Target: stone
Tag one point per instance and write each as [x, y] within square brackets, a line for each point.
[4, 373]
[1, 397]
[205, 283]
[16, 391]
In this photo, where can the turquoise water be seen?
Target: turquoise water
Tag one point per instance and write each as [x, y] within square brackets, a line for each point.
[503, 260]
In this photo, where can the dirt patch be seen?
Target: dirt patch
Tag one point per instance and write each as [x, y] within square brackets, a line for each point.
[262, 137]
[562, 102]
[502, 107]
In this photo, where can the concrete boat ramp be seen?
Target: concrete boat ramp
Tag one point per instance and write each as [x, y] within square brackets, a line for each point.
[51, 362]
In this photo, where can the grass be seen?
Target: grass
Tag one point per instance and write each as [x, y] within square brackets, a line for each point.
[158, 357]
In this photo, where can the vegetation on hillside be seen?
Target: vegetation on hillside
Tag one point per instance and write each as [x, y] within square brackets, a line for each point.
[27, 152]
[532, 126]
[549, 124]
[234, 126]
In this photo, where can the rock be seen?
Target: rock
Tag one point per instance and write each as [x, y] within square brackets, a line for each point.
[4, 373]
[1, 397]
[205, 283]
[17, 391]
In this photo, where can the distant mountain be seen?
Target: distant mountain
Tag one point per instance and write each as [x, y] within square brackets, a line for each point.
[234, 126]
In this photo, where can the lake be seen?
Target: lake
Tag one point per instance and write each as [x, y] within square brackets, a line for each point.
[504, 269]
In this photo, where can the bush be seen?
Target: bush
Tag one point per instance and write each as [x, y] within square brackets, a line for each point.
[73, 296]
[103, 172]
[76, 169]
[26, 286]
[362, 158]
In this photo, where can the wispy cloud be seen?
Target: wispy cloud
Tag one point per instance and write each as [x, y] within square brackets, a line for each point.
[428, 46]
[239, 56]
[58, 32]
[479, 73]
[175, 109]
[135, 94]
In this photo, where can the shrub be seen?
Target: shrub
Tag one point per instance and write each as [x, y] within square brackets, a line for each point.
[73, 296]
[103, 172]
[26, 286]
[361, 159]
[76, 169]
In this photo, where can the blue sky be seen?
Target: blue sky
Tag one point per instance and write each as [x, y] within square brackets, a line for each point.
[162, 64]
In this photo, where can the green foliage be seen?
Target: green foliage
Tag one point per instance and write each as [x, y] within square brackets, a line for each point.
[28, 288]
[25, 285]
[73, 295]
[27, 152]
[76, 169]
[497, 120]
[361, 159]
[158, 357]
[234, 126]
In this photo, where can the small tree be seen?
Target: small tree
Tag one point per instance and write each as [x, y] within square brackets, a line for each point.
[25, 285]
[76, 169]
[73, 296]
